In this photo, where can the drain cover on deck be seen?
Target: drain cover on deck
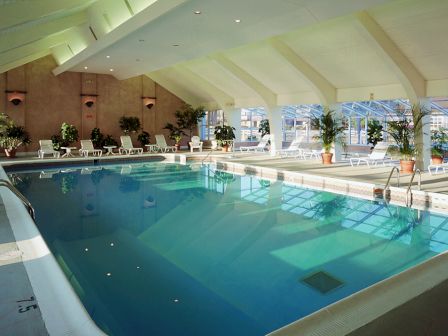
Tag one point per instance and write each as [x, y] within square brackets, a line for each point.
[322, 281]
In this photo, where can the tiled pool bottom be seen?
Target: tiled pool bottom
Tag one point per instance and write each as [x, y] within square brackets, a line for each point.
[186, 250]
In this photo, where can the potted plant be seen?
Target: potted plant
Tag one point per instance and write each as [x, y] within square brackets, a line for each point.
[224, 135]
[331, 132]
[69, 134]
[403, 130]
[109, 141]
[12, 136]
[264, 127]
[439, 140]
[175, 134]
[188, 118]
[144, 138]
[129, 124]
[374, 132]
[97, 137]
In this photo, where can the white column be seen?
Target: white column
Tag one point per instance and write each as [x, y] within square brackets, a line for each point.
[233, 117]
[337, 148]
[423, 138]
[274, 114]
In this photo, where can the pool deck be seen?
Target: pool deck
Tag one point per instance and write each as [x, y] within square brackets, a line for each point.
[13, 275]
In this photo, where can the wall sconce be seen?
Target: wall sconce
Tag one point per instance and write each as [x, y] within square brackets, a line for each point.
[149, 102]
[88, 100]
[15, 97]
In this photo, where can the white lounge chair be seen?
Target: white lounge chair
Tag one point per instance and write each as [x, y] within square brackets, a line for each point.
[87, 148]
[195, 143]
[293, 149]
[258, 148]
[443, 166]
[46, 147]
[127, 147]
[373, 158]
[161, 142]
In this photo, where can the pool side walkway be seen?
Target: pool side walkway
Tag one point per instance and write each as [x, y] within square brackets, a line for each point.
[426, 312]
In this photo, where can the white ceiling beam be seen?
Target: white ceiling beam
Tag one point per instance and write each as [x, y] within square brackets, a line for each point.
[21, 61]
[30, 49]
[174, 88]
[150, 13]
[19, 14]
[21, 37]
[269, 97]
[221, 97]
[319, 84]
[410, 78]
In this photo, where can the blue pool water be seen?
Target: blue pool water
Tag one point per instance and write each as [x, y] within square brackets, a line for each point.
[168, 249]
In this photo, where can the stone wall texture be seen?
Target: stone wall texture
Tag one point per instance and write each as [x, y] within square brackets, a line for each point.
[51, 100]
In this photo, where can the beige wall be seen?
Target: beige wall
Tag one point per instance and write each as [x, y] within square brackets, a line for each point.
[52, 100]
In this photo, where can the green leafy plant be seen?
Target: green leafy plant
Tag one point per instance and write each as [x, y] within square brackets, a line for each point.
[404, 128]
[264, 127]
[439, 140]
[69, 134]
[188, 118]
[11, 135]
[144, 138]
[97, 137]
[331, 130]
[224, 134]
[129, 124]
[57, 141]
[175, 132]
[109, 141]
[374, 132]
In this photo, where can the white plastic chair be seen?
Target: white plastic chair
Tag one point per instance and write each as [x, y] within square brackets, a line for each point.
[161, 142]
[195, 143]
[373, 158]
[87, 148]
[127, 147]
[293, 149]
[46, 147]
[258, 148]
[443, 166]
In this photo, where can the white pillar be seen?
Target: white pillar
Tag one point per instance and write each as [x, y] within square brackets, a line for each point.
[423, 138]
[274, 114]
[233, 117]
[337, 148]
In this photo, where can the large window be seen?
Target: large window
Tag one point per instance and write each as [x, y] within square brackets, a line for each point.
[209, 122]
[250, 123]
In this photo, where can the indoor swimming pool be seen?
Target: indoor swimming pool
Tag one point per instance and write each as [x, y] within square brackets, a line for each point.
[168, 249]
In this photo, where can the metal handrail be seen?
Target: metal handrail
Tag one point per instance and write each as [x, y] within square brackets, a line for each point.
[387, 187]
[409, 190]
[211, 151]
[23, 199]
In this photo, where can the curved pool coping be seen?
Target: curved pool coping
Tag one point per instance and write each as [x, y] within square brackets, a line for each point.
[64, 313]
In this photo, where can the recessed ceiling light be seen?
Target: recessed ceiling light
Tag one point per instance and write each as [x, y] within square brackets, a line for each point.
[237, 20]
[175, 45]
[197, 12]
[138, 60]
[141, 40]
[85, 68]
[107, 56]
[111, 69]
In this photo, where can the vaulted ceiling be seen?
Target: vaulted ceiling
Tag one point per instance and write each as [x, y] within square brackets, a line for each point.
[280, 52]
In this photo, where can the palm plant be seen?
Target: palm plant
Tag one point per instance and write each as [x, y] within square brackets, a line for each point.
[331, 129]
[439, 140]
[374, 132]
[403, 129]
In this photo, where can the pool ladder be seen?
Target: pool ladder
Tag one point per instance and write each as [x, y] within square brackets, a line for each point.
[409, 188]
[23, 199]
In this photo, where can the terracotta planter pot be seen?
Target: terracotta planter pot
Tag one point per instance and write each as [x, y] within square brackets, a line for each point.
[225, 148]
[326, 158]
[407, 166]
[10, 154]
[177, 147]
[437, 159]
